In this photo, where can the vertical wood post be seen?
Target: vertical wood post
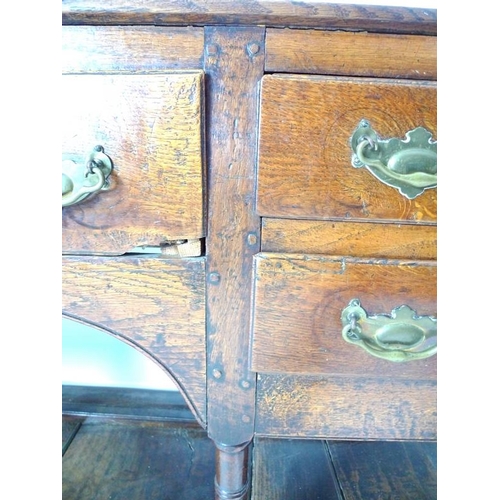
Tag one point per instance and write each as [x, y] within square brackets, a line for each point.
[232, 474]
[234, 66]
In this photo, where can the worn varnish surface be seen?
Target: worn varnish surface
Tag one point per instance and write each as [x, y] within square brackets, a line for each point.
[356, 239]
[94, 49]
[305, 168]
[156, 305]
[298, 305]
[327, 15]
[150, 125]
[351, 54]
[345, 408]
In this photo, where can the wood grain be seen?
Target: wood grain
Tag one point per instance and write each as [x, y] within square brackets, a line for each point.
[341, 408]
[311, 14]
[155, 305]
[297, 325]
[305, 168]
[97, 49]
[283, 469]
[355, 239]
[151, 128]
[293, 470]
[351, 54]
[234, 64]
[298, 469]
[399, 470]
[130, 459]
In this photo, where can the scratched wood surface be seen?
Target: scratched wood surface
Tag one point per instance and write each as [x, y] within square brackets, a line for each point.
[155, 305]
[351, 54]
[356, 239]
[305, 168]
[344, 408]
[297, 325]
[234, 64]
[313, 14]
[125, 49]
[150, 125]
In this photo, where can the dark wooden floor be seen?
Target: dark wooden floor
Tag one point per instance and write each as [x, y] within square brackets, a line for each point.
[129, 444]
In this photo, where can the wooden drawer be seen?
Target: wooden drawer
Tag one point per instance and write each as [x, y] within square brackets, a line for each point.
[297, 336]
[298, 306]
[156, 305]
[305, 166]
[151, 127]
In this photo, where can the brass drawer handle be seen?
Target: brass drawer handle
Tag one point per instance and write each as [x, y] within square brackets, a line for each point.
[400, 336]
[410, 165]
[81, 179]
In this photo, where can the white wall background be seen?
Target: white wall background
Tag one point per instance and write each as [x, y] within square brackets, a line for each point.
[93, 357]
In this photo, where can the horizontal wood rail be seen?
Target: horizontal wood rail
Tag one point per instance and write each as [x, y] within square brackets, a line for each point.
[276, 13]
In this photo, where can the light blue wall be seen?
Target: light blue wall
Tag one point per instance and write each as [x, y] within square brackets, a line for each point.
[93, 357]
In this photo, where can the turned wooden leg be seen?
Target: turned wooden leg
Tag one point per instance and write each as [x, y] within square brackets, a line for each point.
[232, 475]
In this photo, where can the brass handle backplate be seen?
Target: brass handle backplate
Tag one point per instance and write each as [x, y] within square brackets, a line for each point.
[80, 179]
[410, 165]
[399, 336]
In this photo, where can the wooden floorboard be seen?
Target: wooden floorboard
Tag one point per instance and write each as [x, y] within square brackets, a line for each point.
[132, 445]
[286, 469]
[70, 426]
[297, 469]
[123, 459]
[385, 470]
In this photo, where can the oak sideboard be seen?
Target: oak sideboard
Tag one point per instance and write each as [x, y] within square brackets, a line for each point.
[250, 200]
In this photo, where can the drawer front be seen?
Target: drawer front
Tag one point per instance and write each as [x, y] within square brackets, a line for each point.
[156, 305]
[305, 168]
[313, 383]
[298, 305]
[151, 127]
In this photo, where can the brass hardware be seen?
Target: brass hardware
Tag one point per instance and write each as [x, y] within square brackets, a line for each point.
[82, 179]
[400, 336]
[410, 165]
